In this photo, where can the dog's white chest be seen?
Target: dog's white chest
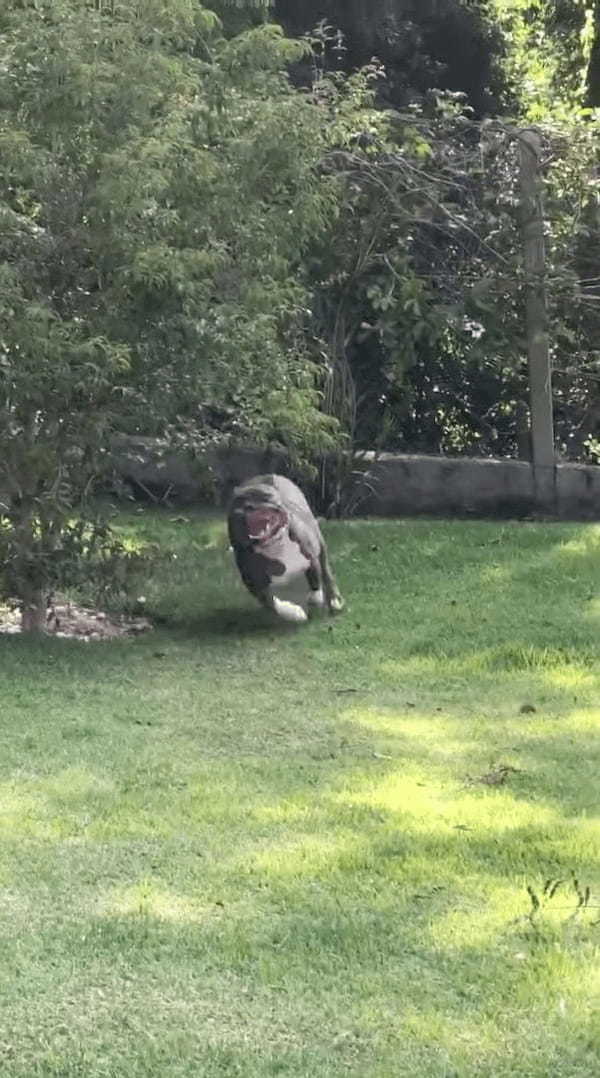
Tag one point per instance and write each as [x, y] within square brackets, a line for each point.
[283, 549]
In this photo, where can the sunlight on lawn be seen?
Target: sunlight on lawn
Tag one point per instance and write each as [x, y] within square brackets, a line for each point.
[307, 855]
[572, 677]
[496, 575]
[194, 529]
[151, 899]
[593, 609]
[556, 663]
[587, 542]
[423, 808]
[288, 835]
[50, 807]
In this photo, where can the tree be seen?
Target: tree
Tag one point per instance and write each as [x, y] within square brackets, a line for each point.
[421, 286]
[158, 191]
[449, 45]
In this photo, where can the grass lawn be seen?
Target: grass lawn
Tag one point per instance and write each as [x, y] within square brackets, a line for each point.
[237, 848]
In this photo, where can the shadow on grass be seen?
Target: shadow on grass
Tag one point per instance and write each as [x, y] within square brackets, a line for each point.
[317, 911]
[326, 872]
[232, 621]
[376, 939]
[443, 589]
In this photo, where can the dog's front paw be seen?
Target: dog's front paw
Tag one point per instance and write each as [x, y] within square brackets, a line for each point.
[289, 611]
[316, 598]
[336, 605]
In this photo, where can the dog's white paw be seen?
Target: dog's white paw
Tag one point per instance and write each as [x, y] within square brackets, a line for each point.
[336, 605]
[289, 611]
[316, 598]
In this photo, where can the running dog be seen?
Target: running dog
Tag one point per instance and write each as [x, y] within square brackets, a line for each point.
[279, 548]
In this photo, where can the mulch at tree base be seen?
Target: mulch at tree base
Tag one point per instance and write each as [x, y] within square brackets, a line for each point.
[66, 619]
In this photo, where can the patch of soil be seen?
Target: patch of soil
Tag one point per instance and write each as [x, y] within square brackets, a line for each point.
[68, 619]
[496, 777]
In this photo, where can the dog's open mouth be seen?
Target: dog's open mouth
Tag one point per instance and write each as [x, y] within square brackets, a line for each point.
[264, 523]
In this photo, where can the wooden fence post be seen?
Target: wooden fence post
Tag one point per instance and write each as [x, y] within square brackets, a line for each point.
[540, 374]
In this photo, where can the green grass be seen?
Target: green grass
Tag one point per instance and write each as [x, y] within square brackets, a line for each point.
[243, 849]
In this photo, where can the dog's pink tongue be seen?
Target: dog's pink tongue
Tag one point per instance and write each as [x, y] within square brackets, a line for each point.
[261, 522]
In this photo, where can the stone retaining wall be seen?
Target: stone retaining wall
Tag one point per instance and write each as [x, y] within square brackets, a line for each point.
[391, 484]
[407, 485]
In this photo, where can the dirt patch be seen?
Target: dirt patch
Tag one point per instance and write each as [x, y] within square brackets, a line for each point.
[496, 777]
[66, 619]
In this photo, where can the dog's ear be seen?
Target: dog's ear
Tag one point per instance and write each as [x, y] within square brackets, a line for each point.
[237, 528]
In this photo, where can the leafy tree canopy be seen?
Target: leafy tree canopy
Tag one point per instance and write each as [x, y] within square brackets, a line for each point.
[159, 189]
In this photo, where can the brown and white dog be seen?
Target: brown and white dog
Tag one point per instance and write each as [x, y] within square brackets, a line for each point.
[279, 548]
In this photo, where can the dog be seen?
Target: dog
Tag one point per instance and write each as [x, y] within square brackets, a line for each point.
[279, 548]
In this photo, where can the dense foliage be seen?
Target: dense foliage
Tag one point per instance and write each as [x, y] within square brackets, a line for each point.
[455, 45]
[211, 230]
[423, 297]
[158, 192]
[424, 293]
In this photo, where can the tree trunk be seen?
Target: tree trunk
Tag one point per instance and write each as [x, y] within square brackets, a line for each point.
[540, 375]
[33, 611]
[26, 577]
[593, 71]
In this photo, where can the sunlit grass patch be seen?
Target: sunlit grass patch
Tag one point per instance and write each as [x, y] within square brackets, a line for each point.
[148, 899]
[230, 849]
[586, 542]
